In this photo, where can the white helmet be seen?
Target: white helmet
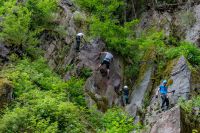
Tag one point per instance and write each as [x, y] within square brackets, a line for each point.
[125, 87]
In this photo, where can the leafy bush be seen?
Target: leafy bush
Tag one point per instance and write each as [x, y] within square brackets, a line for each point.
[85, 72]
[79, 18]
[21, 22]
[42, 12]
[117, 121]
[190, 51]
[43, 104]
[188, 105]
[27, 75]
[16, 24]
[42, 112]
[191, 112]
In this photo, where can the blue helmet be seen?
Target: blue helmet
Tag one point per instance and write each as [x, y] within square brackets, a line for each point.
[164, 81]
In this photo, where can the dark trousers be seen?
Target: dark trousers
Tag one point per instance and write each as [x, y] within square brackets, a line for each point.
[165, 100]
[125, 99]
[78, 45]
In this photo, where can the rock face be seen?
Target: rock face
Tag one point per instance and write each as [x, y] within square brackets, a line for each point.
[170, 121]
[138, 94]
[181, 76]
[193, 33]
[101, 90]
[6, 92]
[166, 122]
[57, 48]
[183, 22]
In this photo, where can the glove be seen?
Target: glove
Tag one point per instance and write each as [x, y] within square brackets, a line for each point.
[156, 96]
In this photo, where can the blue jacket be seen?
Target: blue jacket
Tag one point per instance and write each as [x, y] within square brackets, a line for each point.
[163, 89]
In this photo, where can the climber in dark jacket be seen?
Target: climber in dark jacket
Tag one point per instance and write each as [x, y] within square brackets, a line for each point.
[79, 37]
[125, 94]
[107, 60]
[163, 90]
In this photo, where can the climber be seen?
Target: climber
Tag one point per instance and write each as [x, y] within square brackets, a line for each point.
[107, 60]
[163, 89]
[125, 94]
[79, 37]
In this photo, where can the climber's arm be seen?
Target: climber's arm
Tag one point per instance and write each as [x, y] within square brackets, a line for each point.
[99, 55]
[157, 92]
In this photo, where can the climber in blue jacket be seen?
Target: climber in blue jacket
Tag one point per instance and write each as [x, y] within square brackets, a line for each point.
[163, 90]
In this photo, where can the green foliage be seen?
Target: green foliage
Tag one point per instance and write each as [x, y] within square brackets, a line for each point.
[39, 111]
[191, 112]
[16, 24]
[105, 22]
[99, 7]
[117, 121]
[43, 103]
[85, 72]
[27, 75]
[79, 18]
[42, 12]
[190, 51]
[23, 21]
[188, 105]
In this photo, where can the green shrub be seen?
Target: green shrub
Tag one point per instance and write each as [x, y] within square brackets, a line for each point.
[43, 103]
[190, 51]
[117, 121]
[27, 75]
[22, 22]
[42, 12]
[85, 72]
[42, 112]
[79, 18]
[16, 24]
[191, 112]
[188, 105]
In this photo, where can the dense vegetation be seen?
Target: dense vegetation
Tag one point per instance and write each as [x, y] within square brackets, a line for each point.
[43, 101]
[22, 22]
[191, 109]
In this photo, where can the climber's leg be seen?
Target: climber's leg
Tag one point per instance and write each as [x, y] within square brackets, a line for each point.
[78, 46]
[163, 101]
[167, 102]
[108, 68]
[108, 71]
[126, 99]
